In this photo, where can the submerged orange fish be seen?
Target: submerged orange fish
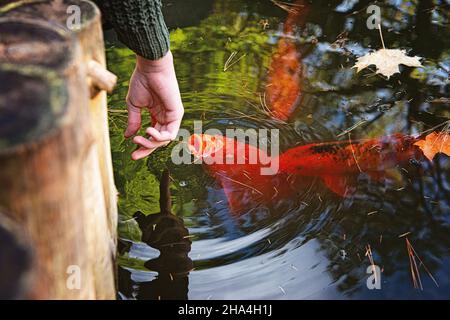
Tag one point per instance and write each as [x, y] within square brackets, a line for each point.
[241, 179]
[283, 83]
[337, 164]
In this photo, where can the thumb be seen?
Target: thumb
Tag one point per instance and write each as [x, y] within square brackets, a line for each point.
[134, 120]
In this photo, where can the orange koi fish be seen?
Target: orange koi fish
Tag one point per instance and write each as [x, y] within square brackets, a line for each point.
[283, 88]
[337, 164]
[241, 179]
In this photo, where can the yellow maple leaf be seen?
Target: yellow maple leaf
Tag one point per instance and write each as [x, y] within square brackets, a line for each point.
[435, 143]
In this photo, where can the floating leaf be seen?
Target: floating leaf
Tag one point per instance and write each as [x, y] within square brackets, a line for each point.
[435, 143]
[387, 61]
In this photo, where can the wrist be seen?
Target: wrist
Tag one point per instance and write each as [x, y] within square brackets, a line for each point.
[144, 65]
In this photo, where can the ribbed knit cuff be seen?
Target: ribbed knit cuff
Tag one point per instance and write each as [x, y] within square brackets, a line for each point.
[148, 39]
[139, 25]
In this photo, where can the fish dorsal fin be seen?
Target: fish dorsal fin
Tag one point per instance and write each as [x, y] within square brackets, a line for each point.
[344, 186]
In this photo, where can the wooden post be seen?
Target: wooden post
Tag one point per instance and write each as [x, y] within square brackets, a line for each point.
[42, 153]
[50, 175]
[90, 36]
[15, 261]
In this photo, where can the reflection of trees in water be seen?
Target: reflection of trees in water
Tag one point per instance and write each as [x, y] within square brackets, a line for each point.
[421, 205]
[331, 91]
[166, 233]
[334, 99]
[421, 209]
[367, 96]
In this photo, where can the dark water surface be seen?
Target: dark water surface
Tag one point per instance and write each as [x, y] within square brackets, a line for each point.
[313, 245]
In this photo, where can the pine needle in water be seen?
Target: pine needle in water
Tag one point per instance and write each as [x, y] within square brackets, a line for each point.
[353, 152]
[414, 268]
[286, 6]
[232, 61]
[240, 183]
[346, 131]
[369, 255]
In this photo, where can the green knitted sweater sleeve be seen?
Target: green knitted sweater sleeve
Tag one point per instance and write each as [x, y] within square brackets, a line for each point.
[139, 25]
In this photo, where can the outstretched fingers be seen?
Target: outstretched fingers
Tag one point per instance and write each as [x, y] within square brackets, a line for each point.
[134, 120]
[141, 153]
[148, 143]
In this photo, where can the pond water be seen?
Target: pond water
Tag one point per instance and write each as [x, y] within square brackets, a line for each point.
[316, 244]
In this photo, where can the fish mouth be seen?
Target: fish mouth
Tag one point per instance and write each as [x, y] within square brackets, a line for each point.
[202, 145]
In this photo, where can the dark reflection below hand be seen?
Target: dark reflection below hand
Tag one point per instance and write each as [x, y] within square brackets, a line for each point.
[166, 232]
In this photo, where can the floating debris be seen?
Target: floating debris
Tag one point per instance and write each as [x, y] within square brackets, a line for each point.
[282, 290]
[240, 183]
[353, 152]
[346, 131]
[369, 255]
[404, 234]
[414, 268]
[183, 183]
[232, 61]
[276, 192]
[264, 23]
[403, 169]
[287, 6]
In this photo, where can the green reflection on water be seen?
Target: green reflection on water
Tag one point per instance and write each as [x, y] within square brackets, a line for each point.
[334, 99]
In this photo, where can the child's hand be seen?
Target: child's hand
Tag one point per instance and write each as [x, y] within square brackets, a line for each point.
[154, 86]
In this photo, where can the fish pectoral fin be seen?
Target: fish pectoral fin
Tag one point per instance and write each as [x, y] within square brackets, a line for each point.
[239, 197]
[344, 186]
